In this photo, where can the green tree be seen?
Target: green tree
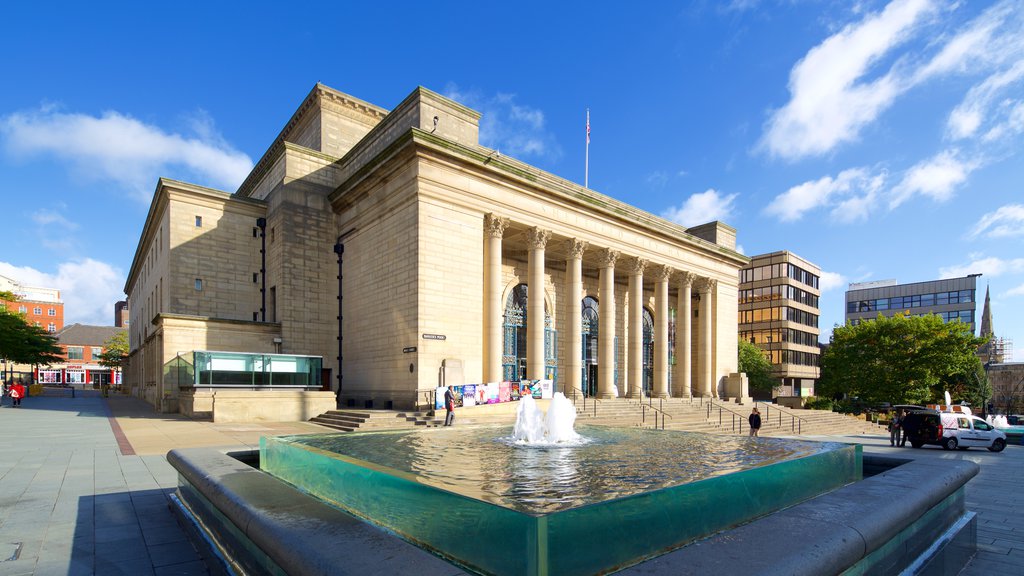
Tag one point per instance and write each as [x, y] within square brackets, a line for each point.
[23, 343]
[970, 385]
[901, 360]
[757, 368]
[115, 350]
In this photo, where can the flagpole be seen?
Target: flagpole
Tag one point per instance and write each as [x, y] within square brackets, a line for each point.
[586, 162]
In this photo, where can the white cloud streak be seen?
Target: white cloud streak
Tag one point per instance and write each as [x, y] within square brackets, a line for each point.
[89, 288]
[1005, 222]
[702, 208]
[840, 86]
[937, 178]
[118, 148]
[831, 101]
[851, 194]
[831, 280]
[1018, 291]
[512, 128]
[991, 267]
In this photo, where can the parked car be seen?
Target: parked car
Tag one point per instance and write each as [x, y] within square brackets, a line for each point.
[1015, 419]
[951, 431]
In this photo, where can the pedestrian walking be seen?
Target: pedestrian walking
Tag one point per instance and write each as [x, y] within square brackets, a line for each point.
[17, 393]
[755, 421]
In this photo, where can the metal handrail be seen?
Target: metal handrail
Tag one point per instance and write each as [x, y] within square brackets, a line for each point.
[593, 400]
[736, 420]
[795, 422]
[643, 415]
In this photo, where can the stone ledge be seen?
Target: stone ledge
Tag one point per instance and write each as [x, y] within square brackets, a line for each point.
[881, 524]
[295, 531]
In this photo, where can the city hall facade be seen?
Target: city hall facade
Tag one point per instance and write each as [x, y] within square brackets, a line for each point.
[387, 252]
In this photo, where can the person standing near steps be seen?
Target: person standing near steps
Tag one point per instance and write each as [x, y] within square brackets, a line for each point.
[449, 406]
[755, 421]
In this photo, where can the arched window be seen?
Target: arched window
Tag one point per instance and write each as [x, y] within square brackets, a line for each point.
[513, 357]
[590, 320]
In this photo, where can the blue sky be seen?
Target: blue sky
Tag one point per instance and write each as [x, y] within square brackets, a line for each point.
[876, 139]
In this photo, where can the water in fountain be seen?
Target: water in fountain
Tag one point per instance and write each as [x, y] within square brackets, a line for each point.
[535, 428]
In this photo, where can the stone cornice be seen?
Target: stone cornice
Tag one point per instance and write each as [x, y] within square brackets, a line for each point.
[570, 191]
[319, 93]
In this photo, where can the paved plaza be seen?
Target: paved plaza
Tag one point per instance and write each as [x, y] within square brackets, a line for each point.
[84, 487]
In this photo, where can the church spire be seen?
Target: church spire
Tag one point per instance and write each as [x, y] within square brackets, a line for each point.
[986, 317]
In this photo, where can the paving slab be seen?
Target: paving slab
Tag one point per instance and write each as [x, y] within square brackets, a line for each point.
[84, 488]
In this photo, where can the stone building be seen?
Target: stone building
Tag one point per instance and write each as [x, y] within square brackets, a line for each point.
[401, 252]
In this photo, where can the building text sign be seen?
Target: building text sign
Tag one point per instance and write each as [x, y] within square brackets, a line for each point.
[434, 337]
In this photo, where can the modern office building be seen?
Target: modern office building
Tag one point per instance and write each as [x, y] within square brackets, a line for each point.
[778, 311]
[394, 252]
[951, 299]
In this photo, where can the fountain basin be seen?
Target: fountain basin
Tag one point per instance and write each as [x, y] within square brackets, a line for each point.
[490, 524]
[245, 519]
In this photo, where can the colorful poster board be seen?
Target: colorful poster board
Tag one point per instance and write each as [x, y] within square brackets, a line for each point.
[492, 393]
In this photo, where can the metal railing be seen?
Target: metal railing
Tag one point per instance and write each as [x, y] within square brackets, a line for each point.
[649, 406]
[795, 422]
[736, 420]
[593, 401]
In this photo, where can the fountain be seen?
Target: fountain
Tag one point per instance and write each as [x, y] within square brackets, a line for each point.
[539, 497]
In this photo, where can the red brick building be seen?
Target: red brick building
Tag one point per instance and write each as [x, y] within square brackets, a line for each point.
[40, 306]
[81, 346]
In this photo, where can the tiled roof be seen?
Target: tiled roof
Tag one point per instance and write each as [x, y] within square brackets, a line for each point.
[82, 335]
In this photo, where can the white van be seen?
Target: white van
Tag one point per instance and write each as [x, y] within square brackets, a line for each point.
[964, 431]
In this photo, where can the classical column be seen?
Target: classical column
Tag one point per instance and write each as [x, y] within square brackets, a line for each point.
[494, 227]
[683, 381]
[537, 239]
[606, 325]
[574, 316]
[705, 360]
[661, 275]
[635, 381]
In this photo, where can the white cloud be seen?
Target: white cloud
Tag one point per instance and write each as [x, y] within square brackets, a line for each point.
[839, 87]
[966, 119]
[990, 267]
[851, 194]
[702, 208]
[936, 177]
[1005, 222]
[122, 149]
[54, 230]
[1012, 124]
[830, 99]
[831, 280]
[89, 288]
[514, 129]
[657, 179]
[1018, 291]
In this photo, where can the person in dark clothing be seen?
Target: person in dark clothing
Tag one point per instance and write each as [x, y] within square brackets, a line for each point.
[449, 406]
[755, 421]
[895, 428]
